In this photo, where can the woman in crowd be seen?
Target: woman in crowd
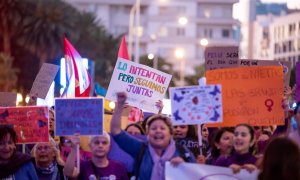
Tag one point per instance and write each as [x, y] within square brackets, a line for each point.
[48, 164]
[160, 148]
[281, 160]
[184, 131]
[295, 134]
[13, 165]
[134, 129]
[243, 142]
[222, 145]
[99, 166]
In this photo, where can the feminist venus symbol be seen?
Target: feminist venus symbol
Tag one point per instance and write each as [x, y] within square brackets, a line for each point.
[269, 104]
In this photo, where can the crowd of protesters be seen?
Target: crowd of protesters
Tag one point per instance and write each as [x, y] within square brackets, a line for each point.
[273, 151]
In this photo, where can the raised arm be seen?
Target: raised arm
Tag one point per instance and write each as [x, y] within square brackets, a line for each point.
[70, 170]
[115, 124]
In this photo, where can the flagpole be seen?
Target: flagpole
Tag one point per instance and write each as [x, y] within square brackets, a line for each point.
[137, 38]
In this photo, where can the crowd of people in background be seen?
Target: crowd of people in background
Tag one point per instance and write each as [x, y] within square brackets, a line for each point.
[273, 151]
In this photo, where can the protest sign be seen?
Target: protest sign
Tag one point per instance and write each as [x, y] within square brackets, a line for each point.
[8, 99]
[250, 95]
[44, 80]
[191, 144]
[194, 171]
[144, 86]
[30, 123]
[221, 57]
[80, 115]
[221, 61]
[196, 104]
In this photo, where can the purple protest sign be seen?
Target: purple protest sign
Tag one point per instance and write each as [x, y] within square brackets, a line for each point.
[80, 115]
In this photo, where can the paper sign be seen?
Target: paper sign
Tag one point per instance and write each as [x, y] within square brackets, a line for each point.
[194, 171]
[196, 104]
[81, 115]
[191, 144]
[144, 86]
[211, 64]
[8, 99]
[221, 57]
[44, 80]
[250, 95]
[30, 123]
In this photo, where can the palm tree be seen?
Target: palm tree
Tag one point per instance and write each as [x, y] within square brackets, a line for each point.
[12, 15]
[8, 74]
[48, 22]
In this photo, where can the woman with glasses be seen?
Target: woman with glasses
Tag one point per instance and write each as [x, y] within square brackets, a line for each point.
[48, 164]
[13, 165]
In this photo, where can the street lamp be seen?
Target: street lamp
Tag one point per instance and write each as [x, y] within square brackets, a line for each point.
[182, 21]
[204, 42]
[179, 54]
[150, 56]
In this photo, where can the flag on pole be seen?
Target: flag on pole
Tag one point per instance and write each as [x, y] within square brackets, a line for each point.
[123, 53]
[77, 77]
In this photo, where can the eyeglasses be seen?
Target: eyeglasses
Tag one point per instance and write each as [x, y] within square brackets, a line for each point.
[46, 148]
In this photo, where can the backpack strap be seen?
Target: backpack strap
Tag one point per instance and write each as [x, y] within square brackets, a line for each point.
[138, 160]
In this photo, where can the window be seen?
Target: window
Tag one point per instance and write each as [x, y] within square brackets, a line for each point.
[225, 33]
[180, 31]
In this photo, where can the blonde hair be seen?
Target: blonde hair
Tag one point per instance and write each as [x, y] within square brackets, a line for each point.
[55, 149]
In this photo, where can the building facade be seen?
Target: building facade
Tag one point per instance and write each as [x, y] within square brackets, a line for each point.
[285, 38]
[161, 33]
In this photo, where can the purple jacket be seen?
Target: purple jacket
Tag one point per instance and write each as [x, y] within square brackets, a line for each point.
[235, 158]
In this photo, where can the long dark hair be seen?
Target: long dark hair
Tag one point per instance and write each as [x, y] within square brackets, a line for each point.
[281, 160]
[215, 152]
[137, 126]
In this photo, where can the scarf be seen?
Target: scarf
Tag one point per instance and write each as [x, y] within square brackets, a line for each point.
[159, 161]
[16, 161]
[47, 170]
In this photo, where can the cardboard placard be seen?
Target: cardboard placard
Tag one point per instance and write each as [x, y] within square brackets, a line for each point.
[221, 57]
[250, 95]
[44, 80]
[30, 123]
[80, 115]
[144, 86]
[196, 104]
[8, 99]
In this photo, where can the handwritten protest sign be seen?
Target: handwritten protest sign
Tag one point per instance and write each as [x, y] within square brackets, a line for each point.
[194, 171]
[144, 85]
[81, 115]
[30, 123]
[191, 144]
[196, 104]
[43, 80]
[250, 95]
[221, 57]
[8, 99]
[225, 63]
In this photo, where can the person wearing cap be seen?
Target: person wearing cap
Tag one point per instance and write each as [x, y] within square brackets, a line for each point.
[47, 161]
[159, 149]
[99, 166]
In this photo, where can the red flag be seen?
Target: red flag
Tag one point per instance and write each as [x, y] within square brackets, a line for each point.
[123, 53]
[78, 78]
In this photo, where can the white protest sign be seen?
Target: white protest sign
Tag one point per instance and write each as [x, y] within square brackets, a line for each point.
[196, 104]
[44, 80]
[193, 171]
[144, 85]
[8, 99]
